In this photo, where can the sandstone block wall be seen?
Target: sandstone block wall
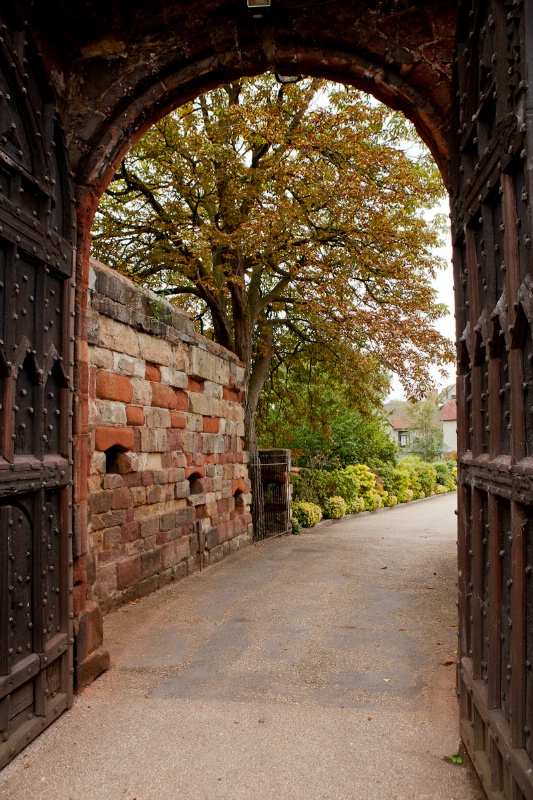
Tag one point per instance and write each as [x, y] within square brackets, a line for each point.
[168, 481]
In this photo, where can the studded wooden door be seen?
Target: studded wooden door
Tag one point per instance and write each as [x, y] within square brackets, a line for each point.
[491, 179]
[36, 308]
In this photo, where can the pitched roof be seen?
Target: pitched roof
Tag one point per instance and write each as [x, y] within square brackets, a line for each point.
[396, 416]
[400, 423]
[448, 411]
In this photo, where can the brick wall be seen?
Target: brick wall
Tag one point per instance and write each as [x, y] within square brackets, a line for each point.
[168, 481]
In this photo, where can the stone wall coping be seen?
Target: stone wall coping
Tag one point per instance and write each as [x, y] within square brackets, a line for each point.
[116, 296]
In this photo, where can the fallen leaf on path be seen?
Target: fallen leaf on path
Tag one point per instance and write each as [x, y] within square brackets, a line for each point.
[449, 662]
[26, 765]
[401, 629]
[386, 680]
[453, 626]
[383, 567]
[439, 642]
[430, 587]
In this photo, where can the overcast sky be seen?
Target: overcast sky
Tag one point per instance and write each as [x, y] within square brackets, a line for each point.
[444, 286]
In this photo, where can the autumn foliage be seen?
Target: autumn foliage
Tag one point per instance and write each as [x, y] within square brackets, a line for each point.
[282, 215]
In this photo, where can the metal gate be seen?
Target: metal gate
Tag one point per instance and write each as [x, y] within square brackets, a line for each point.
[37, 228]
[491, 180]
[271, 493]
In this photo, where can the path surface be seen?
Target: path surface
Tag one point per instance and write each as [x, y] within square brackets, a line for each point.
[304, 668]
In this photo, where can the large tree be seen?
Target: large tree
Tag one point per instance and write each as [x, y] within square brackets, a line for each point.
[285, 214]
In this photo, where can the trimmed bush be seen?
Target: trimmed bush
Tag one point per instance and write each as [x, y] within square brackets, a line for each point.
[357, 488]
[452, 469]
[335, 507]
[307, 514]
[413, 480]
[368, 490]
[446, 475]
[401, 487]
[426, 474]
[356, 506]
[395, 482]
[346, 484]
[318, 485]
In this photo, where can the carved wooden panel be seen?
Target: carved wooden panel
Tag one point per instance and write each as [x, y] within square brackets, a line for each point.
[36, 345]
[491, 189]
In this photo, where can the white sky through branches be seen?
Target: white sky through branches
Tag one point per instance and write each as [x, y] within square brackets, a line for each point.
[444, 285]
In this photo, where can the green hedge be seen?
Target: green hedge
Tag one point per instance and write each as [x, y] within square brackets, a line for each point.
[356, 488]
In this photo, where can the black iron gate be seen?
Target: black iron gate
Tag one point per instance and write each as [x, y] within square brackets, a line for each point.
[271, 493]
[37, 228]
[491, 180]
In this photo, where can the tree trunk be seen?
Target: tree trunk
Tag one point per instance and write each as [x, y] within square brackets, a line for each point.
[258, 373]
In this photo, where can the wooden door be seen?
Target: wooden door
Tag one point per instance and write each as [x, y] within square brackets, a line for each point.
[491, 180]
[37, 229]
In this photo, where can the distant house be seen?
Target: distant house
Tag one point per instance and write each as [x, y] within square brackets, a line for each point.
[448, 417]
[399, 426]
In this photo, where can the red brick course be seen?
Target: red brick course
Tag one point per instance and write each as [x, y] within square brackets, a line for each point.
[194, 385]
[110, 386]
[135, 415]
[177, 419]
[182, 400]
[152, 373]
[163, 396]
[233, 395]
[211, 424]
[106, 437]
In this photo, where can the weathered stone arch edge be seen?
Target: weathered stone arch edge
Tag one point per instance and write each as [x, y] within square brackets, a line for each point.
[96, 160]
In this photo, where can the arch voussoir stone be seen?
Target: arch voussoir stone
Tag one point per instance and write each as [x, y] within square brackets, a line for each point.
[126, 72]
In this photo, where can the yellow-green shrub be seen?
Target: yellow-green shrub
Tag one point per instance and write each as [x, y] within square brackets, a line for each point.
[307, 514]
[426, 475]
[335, 507]
[367, 486]
[356, 506]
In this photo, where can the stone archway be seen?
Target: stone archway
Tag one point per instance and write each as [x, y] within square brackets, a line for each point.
[129, 70]
[117, 67]
[116, 71]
